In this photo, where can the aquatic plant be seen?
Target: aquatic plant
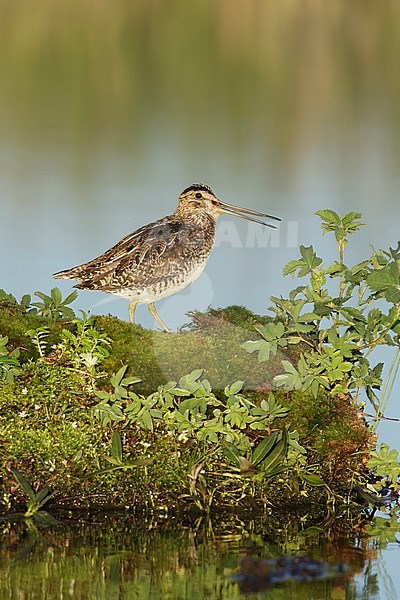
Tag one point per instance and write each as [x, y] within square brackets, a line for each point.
[117, 459]
[35, 499]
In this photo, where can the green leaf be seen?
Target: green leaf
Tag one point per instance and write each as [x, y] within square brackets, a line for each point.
[234, 388]
[231, 453]
[116, 446]
[147, 420]
[312, 479]
[308, 262]
[275, 471]
[43, 296]
[56, 296]
[190, 404]
[386, 282]
[278, 454]
[26, 301]
[261, 451]
[252, 345]
[310, 316]
[117, 377]
[191, 377]
[24, 484]
[42, 496]
[329, 216]
[71, 298]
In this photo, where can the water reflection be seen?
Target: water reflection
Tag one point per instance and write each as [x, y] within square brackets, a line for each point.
[123, 557]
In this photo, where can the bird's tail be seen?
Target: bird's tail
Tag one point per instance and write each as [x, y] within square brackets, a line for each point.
[68, 274]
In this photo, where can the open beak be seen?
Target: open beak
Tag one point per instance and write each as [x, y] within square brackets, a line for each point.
[246, 213]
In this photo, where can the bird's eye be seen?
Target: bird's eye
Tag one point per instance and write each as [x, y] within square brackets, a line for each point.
[198, 195]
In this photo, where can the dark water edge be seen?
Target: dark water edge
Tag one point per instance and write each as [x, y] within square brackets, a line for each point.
[103, 555]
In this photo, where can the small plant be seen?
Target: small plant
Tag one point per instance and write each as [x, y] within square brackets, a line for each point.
[53, 307]
[39, 338]
[111, 407]
[36, 500]
[9, 363]
[85, 348]
[269, 454]
[116, 459]
[189, 408]
[199, 492]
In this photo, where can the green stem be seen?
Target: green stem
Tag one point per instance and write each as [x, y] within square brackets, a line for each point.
[342, 283]
[387, 388]
[372, 345]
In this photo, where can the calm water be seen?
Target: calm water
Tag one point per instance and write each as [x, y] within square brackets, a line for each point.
[125, 558]
[108, 110]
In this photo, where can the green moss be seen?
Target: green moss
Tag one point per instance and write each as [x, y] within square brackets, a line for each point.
[333, 429]
[132, 346]
[215, 347]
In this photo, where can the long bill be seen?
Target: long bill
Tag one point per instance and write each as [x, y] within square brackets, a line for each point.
[247, 213]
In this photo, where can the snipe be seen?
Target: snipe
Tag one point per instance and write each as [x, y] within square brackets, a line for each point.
[163, 257]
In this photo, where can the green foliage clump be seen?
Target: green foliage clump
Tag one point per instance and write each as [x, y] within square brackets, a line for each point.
[53, 307]
[189, 409]
[19, 325]
[337, 333]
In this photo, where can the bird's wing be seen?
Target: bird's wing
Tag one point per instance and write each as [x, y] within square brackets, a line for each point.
[138, 251]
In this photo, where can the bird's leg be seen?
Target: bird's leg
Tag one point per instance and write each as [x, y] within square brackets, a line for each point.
[154, 313]
[131, 309]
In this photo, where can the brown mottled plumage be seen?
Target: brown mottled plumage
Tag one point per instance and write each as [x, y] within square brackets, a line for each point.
[163, 257]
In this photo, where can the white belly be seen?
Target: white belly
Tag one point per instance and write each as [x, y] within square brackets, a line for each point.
[174, 285]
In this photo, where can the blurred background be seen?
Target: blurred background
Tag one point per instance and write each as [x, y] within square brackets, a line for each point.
[108, 110]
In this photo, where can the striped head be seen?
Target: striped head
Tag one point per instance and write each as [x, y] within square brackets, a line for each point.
[199, 199]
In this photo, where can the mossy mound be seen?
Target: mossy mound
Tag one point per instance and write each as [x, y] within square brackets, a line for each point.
[215, 348]
[50, 432]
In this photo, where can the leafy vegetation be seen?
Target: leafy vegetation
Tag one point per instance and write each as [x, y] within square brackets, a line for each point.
[89, 403]
[337, 333]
